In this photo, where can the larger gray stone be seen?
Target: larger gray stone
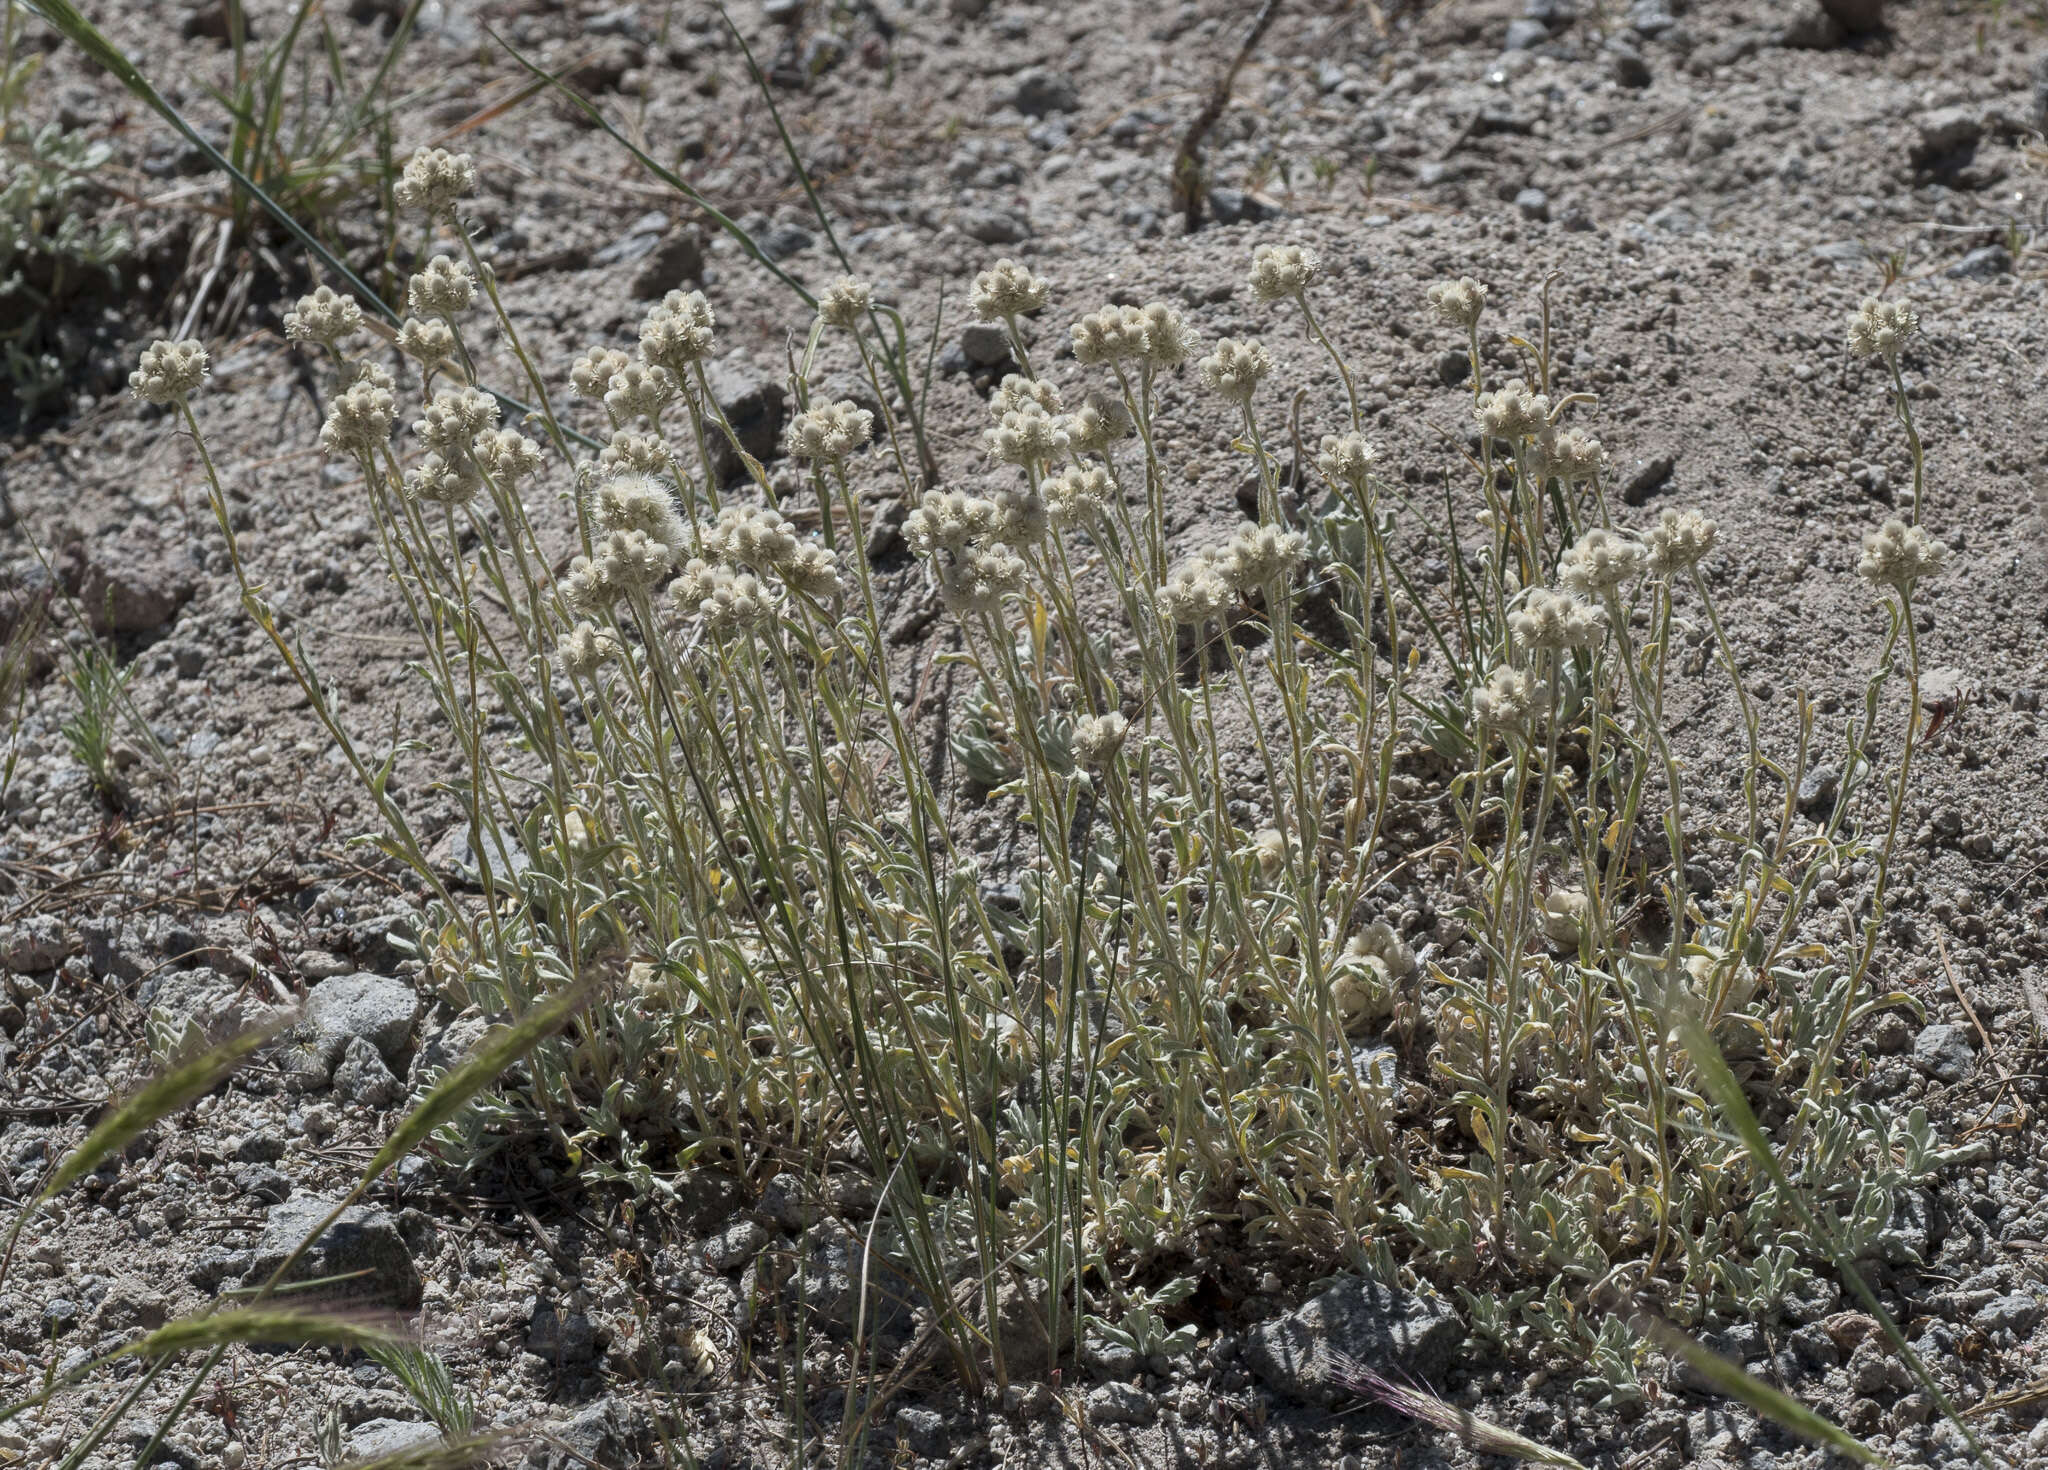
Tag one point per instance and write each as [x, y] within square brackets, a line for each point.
[1038, 90]
[1394, 1333]
[1944, 1053]
[203, 999]
[378, 1437]
[755, 404]
[377, 1008]
[363, 1245]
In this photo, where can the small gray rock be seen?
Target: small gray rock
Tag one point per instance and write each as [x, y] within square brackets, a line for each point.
[1235, 206]
[1675, 218]
[1525, 35]
[1038, 90]
[1818, 789]
[783, 12]
[1858, 17]
[923, 1428]
[1393, 1332]
[1651, 18]
[987, 344]
[1945, 131]
[677, 260]
[363, 1240]
[1944, 1053]
[992, 226]
[565, 1338]
[1119, 1403]
[1454, 367]
[264, 1184]
[455, 854]
[33, 946]
[779, 242]
[736, 1245]
[136, 597]
[1534, 204]
[1650, 476]
[1985, 263]
[377, 1437]
[2016, 1312]
[1805, 25]
[203, 999]
[362, 1077]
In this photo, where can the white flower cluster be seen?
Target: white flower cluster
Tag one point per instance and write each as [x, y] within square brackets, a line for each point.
[1100, 422]
[638, 390]
[584, 649]
[1007, 289]
[1097, 739]
[1027, 435]
[678, 332]
[1880, 329]
[1076, 495]
[1282, 272]
[949, 521]
[1898, 555]
[1601, 561]
[454, 417]
[1235, 369]
[626, 564]
[1569, 455]
[1513, 411]
[433, 180]
[359, 418]
[1155, 334]
[732, 586]
[591, 374]
[1194, 592]
[1679, 541]
[628, 449]
[1507, 699]
[1459, 302]
[428, 341]
[638, 502]
[169, 372]
[981, 579]
[1018, 393]
[325, 316]
[1260, 556]
[1347, 460]
[845, 302]
[506, 455]
[830, 432]
[1551, 619]
[444, 288]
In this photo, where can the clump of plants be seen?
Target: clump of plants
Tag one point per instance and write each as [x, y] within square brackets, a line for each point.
[1198, 1011]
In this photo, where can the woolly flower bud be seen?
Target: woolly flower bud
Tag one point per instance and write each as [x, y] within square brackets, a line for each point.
[591, 374]
[1016, 391]
[1600, 561]
[1168, 342]
[1552, 619]
[506, 455]
[1506, 700]
[1897, 555]
[433, 180]
[829, 433]
[442, 289]
[1075, 496]
[754, 538]
[980, 580]
[428, 341]
[326, 317]
[168, 372]
[948, 519]
[588, 588]
[1458, 302]
[1007, 289]
[454, 418]
[1109, 335]
[811, 570]
[1193, 592]
[1027, 435]
[1678, 541]
[677, 332]
[439, 479]
[1097, 738]
[626, 450]
[638, 502]
[359, 419]
[640, 391]
[1347, 460]
[1259, 556]
[1235, 368]
[1021, 518]
[1097, 424]
[584, 649]
[1880, 329]
[1379, 941]
[1573, 456]
[633, 560]
[734, 602]
[693, 584]
[1280, 272]
[845, 302]
[1512, 411]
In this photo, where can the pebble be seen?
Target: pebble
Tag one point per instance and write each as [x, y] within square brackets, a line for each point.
[1534, 204]
[1944, 1053]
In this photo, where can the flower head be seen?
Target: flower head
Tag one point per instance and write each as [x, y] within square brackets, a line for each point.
[1021, 518]
[1347, 460]
[626, 450]
[1016, 390]
[1600, 561]
[1168, 342]
[1282, 272]
[1099, 423]
[1512, 411]
[640, 390]
[1007, 289]
[1898, 555]
[811, 570]
[1235, 368]
[428, 341]
[734, 603]
[591, 374]
[1880, 329]
[845, 302]
[1259, 556]
[1506, 700]
[584, 649]
[433, 180]
[1571, 455]
[1077, 495]
[506, 455]
[1027, 435]
[1109, 335]
[677, 332]
[325, 316]
[1097, 738]
[1551, 619]
[442, 289]
[752, 538]
[439, 479]
[359, 419]
[1678, 541]
[454, 417]
[638, 502]
[1459, 302]
[980, 579]
[1193, 592]
[634, 561]
[949, 520]
[830, 432]
[169, 372]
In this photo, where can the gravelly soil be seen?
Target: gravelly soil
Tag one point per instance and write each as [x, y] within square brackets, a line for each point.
[1713, 202]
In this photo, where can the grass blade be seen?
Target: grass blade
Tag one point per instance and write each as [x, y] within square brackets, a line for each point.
[499, 1049]
[1481, 1436]
[1729, 1380]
